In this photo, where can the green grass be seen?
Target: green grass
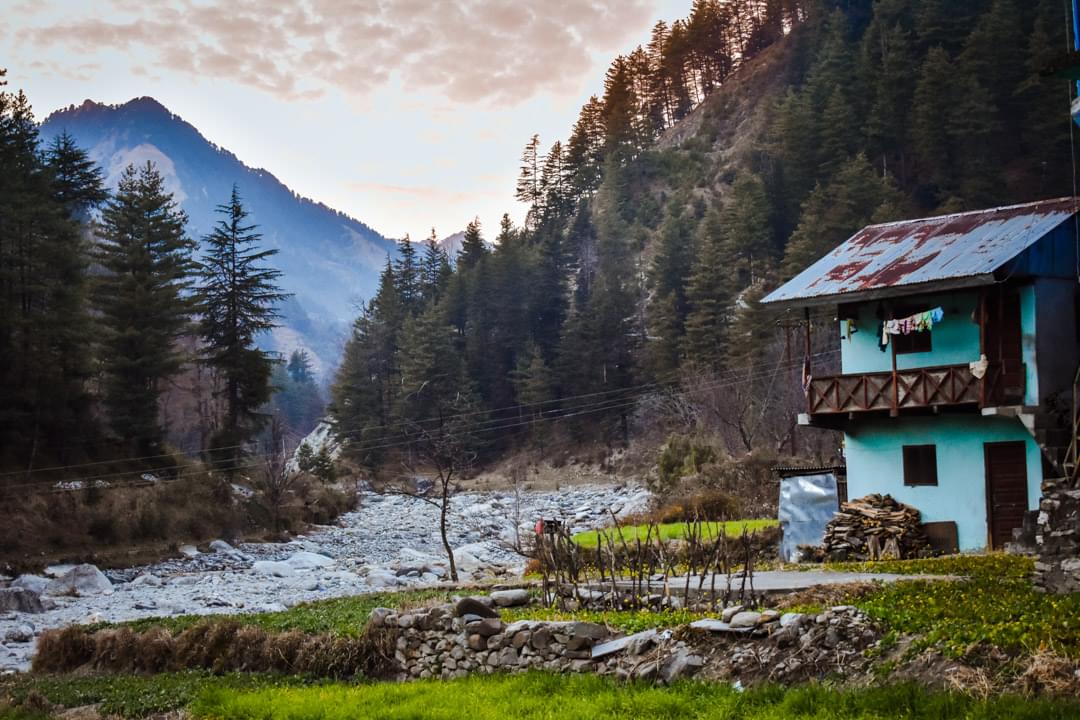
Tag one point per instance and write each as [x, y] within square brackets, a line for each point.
[130, 696]
[994, 565]
[551, 697]
[629, 621]
[344, 616]
[671, 531]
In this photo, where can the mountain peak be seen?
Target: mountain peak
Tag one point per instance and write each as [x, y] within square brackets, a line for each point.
[147, 104]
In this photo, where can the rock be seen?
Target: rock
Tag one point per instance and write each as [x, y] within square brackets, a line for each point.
[731, 612]
[633, 644]
[308, 561]
[17, 599]
[35, 583]
[477, 642]
[80, 580]
[273, 568]
[745, 619]
[147, 579]
[712, 625]
[541, 639]
[508, 657]
[473, 606]
[510, 598]
[680, 664]
[189, 551]
[380, 579]
[220, 546]
[768, 616]
[790, 619]
[21, 633]
[583, 635]
[485, 626]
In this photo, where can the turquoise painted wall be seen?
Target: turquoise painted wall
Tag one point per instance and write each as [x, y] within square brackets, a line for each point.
[1027, 344]
[873, 449]
[955, 339]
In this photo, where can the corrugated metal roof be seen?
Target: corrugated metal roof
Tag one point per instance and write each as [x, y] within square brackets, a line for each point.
[948, 247]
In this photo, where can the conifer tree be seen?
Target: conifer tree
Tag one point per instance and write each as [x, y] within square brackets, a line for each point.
[407, 276]
[238, 296]
[529, 189]
[144, 301]
[434, 270]
[473, 248]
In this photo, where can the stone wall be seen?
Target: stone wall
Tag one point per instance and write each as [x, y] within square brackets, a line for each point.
[455, 640]
[1057, 569]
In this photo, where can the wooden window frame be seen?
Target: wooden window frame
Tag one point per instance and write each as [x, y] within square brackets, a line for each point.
[920, 465]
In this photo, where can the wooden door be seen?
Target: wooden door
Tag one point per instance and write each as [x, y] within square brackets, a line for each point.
[1003, 346]
[1006, 489]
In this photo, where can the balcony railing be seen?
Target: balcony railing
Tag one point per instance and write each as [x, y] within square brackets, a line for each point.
[903, 389]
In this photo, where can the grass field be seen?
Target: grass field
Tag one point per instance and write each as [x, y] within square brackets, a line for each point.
[501, 697]
[536, 696]
[672, 531]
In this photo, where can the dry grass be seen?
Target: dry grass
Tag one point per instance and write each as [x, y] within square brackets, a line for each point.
[827, 595]
[218, 646]
[1048, 673]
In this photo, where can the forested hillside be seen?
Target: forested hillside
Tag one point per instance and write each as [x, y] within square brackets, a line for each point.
[727, 153]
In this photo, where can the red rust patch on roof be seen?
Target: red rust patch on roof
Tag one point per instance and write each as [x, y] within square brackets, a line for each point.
[894, 273]
[847, 270]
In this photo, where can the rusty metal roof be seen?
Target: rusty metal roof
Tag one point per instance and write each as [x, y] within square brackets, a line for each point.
[962, 249]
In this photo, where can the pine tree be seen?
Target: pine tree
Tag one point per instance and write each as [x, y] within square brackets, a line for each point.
[434, 271]
[144, 302]
[708, 296]
[929, 134]
[299, 367]
[407, 276]
[473, 248]
[529, 190]
[835, 211]
[746, 231]
[237, 296]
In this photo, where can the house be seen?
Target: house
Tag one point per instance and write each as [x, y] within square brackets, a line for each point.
[963, 404]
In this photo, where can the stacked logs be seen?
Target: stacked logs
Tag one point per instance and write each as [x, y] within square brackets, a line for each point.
[875, 527]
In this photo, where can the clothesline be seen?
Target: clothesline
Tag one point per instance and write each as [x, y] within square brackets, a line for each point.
[919, 322]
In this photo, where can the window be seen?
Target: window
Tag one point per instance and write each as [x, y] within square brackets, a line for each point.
[920, 465]
[915, 342]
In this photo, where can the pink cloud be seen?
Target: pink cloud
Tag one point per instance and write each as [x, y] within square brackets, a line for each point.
[495, 51]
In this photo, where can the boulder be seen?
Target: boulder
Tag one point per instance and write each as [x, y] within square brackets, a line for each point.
[680, 664]
[80, 580]
[220, 546]
[746, 618]
[21, 633]
[473, 606]
[304, 560]
[35, 583]
[17, 599]
[189, 551]
[485, 626]
[510, 598]
[147, 579]
[730, 612]
[272, 568]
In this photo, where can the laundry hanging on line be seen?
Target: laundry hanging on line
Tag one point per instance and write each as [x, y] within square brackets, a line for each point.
[919, 322]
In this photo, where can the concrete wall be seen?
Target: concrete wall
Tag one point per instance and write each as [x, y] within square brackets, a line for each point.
[875, 465]
[955, 339]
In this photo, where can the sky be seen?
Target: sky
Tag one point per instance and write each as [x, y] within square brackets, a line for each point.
[406, 114]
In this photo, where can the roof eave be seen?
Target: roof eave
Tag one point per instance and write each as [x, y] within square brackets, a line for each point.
[883, 293]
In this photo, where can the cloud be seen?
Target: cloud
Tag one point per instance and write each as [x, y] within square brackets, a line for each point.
[488, 51]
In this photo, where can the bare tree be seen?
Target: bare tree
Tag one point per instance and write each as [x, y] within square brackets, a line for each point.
[275, 482]
[447, 450]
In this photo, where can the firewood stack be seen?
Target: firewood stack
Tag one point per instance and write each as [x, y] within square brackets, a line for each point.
[875, 527]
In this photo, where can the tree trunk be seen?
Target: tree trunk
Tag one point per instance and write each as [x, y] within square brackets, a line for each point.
[443, 509]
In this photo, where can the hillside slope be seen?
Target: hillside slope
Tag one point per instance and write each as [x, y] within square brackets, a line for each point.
[329, 259]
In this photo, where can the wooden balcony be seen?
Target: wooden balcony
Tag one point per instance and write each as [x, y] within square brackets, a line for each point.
[894, 391]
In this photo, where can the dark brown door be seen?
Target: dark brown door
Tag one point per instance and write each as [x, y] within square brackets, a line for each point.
[1006, 489]
[1003, 346]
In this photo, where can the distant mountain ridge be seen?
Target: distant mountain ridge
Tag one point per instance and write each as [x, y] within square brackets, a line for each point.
[330, 260]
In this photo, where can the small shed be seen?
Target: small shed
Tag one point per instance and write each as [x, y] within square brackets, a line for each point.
[809, 497]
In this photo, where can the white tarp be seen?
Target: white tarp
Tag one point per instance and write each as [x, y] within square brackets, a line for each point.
[807, 504]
